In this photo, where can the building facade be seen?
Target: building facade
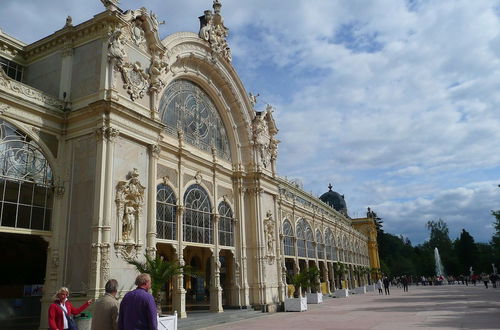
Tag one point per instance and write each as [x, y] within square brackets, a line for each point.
[117, 144]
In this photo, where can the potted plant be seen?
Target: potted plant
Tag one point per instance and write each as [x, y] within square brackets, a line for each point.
[161, 271]
[340, 270]
[313, 278]
[298, 303]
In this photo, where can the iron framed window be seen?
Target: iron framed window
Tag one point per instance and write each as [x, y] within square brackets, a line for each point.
[197, 219]
[288, 246]
[226, 224]
[185, 107]
[166, 212]
[26, 187]
[301, 239]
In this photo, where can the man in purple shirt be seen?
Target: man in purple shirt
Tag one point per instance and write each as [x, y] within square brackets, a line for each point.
[138, 308]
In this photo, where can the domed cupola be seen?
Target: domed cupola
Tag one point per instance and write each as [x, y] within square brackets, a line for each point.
[335, 200]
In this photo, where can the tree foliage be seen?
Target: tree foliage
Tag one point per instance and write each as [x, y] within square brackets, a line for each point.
[398, 256]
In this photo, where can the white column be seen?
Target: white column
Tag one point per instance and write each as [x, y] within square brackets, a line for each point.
[154, 154]
[215, 288]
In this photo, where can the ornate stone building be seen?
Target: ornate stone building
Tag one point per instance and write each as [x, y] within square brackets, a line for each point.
[115, 143]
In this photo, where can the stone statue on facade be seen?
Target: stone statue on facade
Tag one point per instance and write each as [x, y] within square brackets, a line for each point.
[270, 236]
[129, 203]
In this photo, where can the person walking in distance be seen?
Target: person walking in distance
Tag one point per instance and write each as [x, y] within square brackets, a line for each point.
[105, 316]
[379, 286]
[386, 285]
[404, 281]
[138, 308]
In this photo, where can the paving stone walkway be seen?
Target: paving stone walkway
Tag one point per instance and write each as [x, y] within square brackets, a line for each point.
[428, 307]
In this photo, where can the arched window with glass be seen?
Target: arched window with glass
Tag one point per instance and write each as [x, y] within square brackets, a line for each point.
[166, 211]
[288, 246]
[184, 106]
[311, 248]
[26, 184]
[197, 220]
[301, 238]
[226, 221]
[329, 244]
[320, 246]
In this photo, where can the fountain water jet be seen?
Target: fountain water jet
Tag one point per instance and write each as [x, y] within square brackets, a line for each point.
[439, 265]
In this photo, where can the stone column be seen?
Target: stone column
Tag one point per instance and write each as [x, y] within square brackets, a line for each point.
[215, 288]
[179, 294]
[154, 154]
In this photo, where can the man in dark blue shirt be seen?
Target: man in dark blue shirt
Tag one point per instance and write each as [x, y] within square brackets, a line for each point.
[138, 308]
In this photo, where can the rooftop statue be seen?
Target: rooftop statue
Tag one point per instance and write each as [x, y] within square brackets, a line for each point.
[212, 29]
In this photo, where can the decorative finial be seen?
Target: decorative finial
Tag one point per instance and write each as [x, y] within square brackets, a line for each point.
[69, 21]
[217, 6]
[212, 29]
[330, 187]
[111, 5]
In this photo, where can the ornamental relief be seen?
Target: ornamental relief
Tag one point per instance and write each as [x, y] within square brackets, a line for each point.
[263, 137]
[212, 29]
[135, 80]
[270, 237]
[129, 205]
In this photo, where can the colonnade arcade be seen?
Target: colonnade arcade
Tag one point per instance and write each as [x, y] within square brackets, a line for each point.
[303, 248]
[207, 240]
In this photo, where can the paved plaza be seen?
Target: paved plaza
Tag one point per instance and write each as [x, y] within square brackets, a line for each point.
[428, 307]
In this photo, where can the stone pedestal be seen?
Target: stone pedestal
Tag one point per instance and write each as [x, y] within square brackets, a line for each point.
[341, 293]
[314, 298]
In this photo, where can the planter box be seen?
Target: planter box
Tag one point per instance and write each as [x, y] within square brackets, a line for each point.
[295, 304]
[360, 290]
[314, 298]
[341, 293]
[168, 322]
[371, 288]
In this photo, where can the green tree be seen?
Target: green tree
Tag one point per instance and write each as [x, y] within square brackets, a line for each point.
[495, 240]
[439, 238]
[466, 251]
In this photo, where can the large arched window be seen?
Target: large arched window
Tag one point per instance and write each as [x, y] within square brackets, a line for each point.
[185, 107]
[311, 249]
[26, 187]
[320, 247]
[166, 211]
[226, 232]
[288, 245]
[329, 244]
[197, 220]
[301, 238]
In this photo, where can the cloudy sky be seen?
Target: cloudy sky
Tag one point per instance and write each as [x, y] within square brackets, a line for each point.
[395, 102]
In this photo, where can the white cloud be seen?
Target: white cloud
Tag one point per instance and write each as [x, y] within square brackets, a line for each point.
[403, 117]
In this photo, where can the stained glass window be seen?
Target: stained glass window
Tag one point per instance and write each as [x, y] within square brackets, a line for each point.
[288, 245]
[26, 189]
[197, 220]
[186, 107]
[226, 235]
[166, 211]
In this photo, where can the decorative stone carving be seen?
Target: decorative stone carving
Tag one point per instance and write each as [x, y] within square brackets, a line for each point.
[135, 80]
[107, 132]
[253, 99]
[137, 33]
[105, 261]
[212, 29]
[156, 70]
[129, 204]
[111, 5]
[263, 136]
[23, 91]
[270, 237]
[198, 177]
[116, 47]
[155, 150]
[3, 108]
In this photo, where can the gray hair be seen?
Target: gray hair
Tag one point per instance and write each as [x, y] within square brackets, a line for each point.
[142, 279]
[111, 286]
